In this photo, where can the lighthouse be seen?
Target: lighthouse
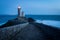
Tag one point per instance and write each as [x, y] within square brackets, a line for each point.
[19, 11]
[22, 14]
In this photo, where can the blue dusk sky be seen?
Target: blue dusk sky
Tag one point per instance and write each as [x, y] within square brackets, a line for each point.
[30, 7]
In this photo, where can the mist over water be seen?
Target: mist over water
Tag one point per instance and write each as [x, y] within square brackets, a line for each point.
[50, 22]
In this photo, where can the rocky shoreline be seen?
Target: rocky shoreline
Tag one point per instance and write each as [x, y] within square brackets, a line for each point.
[29, 31]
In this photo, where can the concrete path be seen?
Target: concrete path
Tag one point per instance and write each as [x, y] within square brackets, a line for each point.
[30, 32]
[9, 32]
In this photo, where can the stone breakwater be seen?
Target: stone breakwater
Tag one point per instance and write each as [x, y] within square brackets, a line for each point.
[30, 31]
[9, 32]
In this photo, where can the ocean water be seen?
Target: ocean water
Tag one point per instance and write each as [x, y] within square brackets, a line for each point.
[52, 20]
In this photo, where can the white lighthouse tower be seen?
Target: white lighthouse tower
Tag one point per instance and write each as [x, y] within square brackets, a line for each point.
[22, 14]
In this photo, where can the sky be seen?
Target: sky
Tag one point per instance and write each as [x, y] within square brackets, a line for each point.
[30, 7]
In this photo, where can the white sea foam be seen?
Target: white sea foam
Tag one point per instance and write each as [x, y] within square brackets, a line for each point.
[50, 22]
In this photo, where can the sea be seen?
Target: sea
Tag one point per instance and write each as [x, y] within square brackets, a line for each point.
[52, 20]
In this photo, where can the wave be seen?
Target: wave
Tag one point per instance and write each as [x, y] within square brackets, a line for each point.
[50, 22]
